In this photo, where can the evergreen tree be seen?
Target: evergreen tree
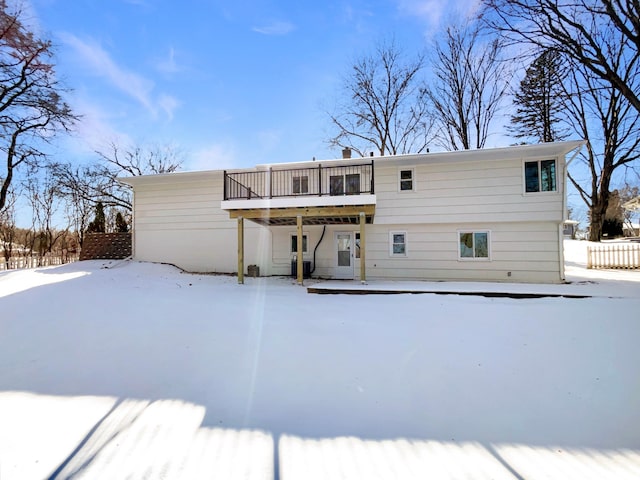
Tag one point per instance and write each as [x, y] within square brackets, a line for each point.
[539, 100]
[98, 225]
[121, 223]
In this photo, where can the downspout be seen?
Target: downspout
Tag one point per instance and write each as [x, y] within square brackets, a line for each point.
[133, 223]
[324, 228]
[564, 211]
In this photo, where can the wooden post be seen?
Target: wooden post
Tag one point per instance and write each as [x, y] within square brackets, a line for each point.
[300, 251]
[363, 249]
[240, 250]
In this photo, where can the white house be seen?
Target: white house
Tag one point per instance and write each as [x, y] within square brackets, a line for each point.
[493, 214]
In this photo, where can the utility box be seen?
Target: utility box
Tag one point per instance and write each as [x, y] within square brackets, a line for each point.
[306, 268]
[253, 271]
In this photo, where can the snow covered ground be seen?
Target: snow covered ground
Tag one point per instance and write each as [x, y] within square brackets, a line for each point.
[141, 371]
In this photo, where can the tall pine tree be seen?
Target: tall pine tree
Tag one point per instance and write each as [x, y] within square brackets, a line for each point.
[539, 100]
[121, 223]
[98, 225]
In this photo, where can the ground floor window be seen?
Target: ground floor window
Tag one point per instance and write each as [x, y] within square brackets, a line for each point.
[398, 244]
[294, 243]
[473, 245]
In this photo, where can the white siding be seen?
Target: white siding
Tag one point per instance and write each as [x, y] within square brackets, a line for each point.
[530, 251]
[463, 192]
[180, 222]
[282, 256]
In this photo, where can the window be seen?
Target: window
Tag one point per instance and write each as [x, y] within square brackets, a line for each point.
[473, 245]
[294, 244]
[336, 185]
[341, 184]
[406, 180]
[357, 244]
[353, 183]
[398, 244]
[540, 176]
[301, 184]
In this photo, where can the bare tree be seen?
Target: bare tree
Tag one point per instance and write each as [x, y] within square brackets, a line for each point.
[8, 233]
[74, 186]
[31, 107]
[470, 83]
[584, 30]
[42, 194]
[384, 105]
[88, 184]
[599, 113]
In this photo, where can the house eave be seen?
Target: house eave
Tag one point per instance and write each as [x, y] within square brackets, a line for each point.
[336, 210]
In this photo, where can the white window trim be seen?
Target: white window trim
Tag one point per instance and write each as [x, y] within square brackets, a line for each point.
[299, 177]
[413, 179]
[406, 244]
[294, 234]
[539, 160]
[474, 259]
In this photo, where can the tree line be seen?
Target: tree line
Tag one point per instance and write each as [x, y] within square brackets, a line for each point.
[63, 197]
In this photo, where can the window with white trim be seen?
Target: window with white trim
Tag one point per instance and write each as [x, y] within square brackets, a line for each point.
[406, 179]
[398, 244]
[473, 245]
[540, 176]
[294, 243]
[300, 184]
[348, 184]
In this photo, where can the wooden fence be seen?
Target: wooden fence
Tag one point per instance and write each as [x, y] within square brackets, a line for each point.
[35, 261]
[622, 256]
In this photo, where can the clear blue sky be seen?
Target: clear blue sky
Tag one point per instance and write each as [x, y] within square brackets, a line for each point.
[229, 83]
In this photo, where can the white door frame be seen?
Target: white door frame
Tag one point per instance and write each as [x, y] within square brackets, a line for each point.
[344, 271]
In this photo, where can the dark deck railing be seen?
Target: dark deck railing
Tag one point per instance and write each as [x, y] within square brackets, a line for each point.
[296, 182]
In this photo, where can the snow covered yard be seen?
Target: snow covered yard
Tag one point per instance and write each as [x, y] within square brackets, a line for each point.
[140, 371]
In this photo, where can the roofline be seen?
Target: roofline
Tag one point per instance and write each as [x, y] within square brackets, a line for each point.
[168, 177]
[484, 154]
[479, 155]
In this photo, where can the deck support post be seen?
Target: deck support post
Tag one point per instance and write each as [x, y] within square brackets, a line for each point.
[363, 249]
[240, 250]
[299, 250]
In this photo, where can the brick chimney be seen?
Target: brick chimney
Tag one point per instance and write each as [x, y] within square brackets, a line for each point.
[346, 152]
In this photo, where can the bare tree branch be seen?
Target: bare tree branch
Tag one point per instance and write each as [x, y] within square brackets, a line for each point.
[470, 83]
[585, 30]
[384, 106]
[31, 108]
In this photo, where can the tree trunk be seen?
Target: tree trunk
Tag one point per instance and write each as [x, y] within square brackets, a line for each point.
[595, 227]
[598, 212]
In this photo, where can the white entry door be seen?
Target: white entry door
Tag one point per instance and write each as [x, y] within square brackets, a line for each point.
[345, 250]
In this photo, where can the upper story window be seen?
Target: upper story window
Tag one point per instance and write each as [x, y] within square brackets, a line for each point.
[348, 184]
[540, 176]
[300, 184]
[406, 177]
